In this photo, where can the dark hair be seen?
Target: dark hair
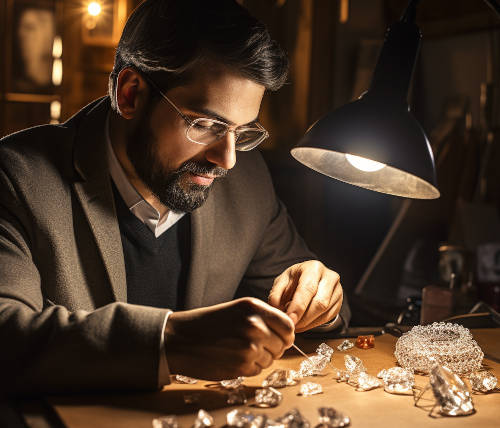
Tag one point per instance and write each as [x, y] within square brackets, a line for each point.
[168, 38]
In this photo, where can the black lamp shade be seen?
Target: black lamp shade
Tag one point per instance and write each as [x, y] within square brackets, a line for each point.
[378, 127]
[377, 131]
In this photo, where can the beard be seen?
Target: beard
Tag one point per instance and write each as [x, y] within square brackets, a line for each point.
[170, 186]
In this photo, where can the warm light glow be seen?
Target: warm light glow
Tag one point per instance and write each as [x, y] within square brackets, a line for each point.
[94, 8]
[364, 164]
[57, 47]
[57, 71]
[55, 111]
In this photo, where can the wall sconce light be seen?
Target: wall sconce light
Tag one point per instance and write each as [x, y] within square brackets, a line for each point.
[94, 9]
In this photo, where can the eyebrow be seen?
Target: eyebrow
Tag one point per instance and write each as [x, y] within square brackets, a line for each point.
[214, 115]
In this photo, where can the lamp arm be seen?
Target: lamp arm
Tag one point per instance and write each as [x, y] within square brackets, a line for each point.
[494, 5]
[411, 10]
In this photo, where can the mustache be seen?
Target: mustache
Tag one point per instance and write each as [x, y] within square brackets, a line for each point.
[205, 169]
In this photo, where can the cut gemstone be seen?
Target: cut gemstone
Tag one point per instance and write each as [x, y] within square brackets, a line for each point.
[483, 381]
[353, 364]
[345, 345]
[293, 377]
[268, 397]
[313, 365]
[331, 418]
[450, 392]
[293, 419]
[192, 398]
[185, 379]
[366, 381]
[365, 342]
[280, 378]
[310, 388]
[236, 396]
[340, 375]
[169, 421]
[325, 350]
[398, 380]
[204, 419]
[245, 419]
[232, 383]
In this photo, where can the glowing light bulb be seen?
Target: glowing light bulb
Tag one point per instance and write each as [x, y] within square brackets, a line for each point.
[94, 8]
[364, 164]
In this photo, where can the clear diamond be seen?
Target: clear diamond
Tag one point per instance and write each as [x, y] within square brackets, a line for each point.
[293, 419]
[325, 350]
[398, 380]
[340, 375]
[313, 365]
[483, 381]
[169, 421]
[280, 378]
[353, 364]
[185, 379]
[204, 419]
[450, 392]
[245, 419]
[310, 388]
[345, 345]
[268, 397]
[331, 418]
[367, 382]
[293, 377]
[232, 383]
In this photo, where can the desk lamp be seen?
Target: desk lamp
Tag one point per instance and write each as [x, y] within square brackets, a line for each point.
[375, 142]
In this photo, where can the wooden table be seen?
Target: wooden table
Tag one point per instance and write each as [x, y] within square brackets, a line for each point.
[374, 408]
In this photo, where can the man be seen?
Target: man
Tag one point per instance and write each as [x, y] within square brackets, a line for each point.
[149, 201]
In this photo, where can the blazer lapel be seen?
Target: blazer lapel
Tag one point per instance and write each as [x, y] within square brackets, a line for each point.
[202, 229]
[96, 197]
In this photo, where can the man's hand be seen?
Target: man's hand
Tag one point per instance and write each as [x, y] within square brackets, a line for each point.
[238, 338]
[309, 293]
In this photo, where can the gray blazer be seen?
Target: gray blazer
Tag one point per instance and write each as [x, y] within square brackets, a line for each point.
[65, 324]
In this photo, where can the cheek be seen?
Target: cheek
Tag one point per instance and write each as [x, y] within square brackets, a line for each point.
[171, 147]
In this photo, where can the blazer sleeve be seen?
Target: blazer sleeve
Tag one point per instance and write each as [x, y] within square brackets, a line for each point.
[46, 348]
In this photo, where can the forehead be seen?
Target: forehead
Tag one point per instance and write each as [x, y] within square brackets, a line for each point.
[223, 91]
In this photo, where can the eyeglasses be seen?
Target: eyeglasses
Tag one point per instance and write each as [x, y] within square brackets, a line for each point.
[206, 131]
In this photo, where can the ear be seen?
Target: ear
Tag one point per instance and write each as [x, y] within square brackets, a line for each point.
[131, 92]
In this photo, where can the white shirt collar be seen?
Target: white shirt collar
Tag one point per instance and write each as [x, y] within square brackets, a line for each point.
[134, 201]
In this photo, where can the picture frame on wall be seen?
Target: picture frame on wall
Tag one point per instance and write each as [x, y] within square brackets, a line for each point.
[103, 21]
[29, 60]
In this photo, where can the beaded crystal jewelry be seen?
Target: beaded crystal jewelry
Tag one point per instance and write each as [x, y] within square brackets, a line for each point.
[447, 344]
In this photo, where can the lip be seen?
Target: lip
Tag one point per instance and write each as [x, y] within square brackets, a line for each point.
[204, 180]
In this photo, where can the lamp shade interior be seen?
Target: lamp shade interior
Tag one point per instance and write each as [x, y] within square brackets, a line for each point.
[342, 144]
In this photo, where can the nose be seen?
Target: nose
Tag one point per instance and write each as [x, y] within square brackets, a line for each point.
[223, 152]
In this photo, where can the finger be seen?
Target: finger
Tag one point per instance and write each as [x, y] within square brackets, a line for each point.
[281, 284]
[322, 319]
[263, 337]
[325, 297]
[306, 290]
[277, 321]
[266, 358]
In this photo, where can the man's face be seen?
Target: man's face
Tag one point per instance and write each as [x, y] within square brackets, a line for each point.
[177, 171]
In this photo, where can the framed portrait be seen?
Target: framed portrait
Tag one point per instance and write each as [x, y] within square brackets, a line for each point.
[29, 60]
[103, 21]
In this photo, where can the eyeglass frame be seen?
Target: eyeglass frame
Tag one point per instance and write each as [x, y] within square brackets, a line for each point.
[191, 123]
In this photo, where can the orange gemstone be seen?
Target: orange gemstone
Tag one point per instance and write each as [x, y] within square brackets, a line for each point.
[365, 342]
